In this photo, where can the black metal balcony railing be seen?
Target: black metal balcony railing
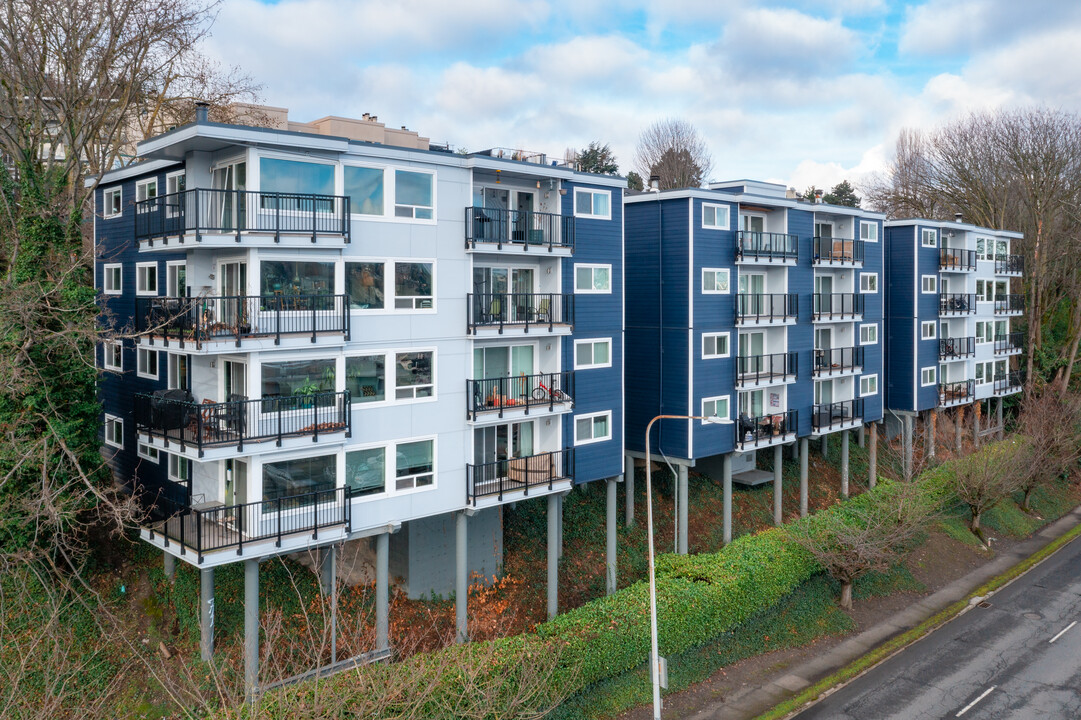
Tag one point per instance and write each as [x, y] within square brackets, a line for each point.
[1006, 304]
[757, 369]
[764, 429]
[956, 303]
[1009, 382]
[1010, 342]
[835, 251]
[492, 395]
[518, 228]
[504, 476]
[1007, 264]
[769, 307]
[837, 360]
[202, 210]
[956, 259]
[206, 530]
[766, 246]
[837, 414]
[955, 348]
[199, 319]
[953, 393]
[518, 310]
[175, 418]
[837, 306]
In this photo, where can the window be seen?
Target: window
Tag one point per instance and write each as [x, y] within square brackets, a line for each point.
[927, 376]
[364, 186]
[147, 453]
[366, 471]
[365, 378]
[114, 356]
[414, 465]
[985, 372]
[715, 280]
[414, 375]
[175, 182]
[869, 334]
[927, 330]
[928, 238]
[868, 282]
[296, 277]
[176, 279]
[715, 216]
[868, 231]
[593, 279]
[146, 189]
[985, 290]
[592, 428]
[114, 431]
[291, 378]
[364, 285]
[984, 331]
[715, 407]
[178, 372]
[1002, 328]
[593, 204]
[111, 202]
[112, 279]
[929, 283]
[592, 354]
[147, 363]
[413, 286]
[179, 468]
[714, 345]
[294, 176]
[984, 248]
[868, 385]
[413, 195]
[146, 279]
[287, 479]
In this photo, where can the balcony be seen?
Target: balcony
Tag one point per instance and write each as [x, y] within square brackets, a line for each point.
[549, 312]
[834, 307]
[518, 231]
[956, 260]
[1009, 383]
[1009, 344]
[773, 369]
[838, 361]
[956, 303]
[956, 393]
[1009, 305]
[1009, 265]
[516, 396]
[221, 217]
[287, 521]
[956, 348]
[837, 252]
[516, 477]
[836, 416]
[766, 248]
[766, 309]
[224, 323]
[765, 430]
[172, 421]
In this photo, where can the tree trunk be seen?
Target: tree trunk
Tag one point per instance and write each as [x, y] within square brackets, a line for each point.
[974, 526]
[846, 595]
[1028, 494]
[1034, 310]
[1073, 354]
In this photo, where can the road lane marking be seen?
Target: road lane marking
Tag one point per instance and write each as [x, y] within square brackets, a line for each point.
[968, 707]
[1063, 631]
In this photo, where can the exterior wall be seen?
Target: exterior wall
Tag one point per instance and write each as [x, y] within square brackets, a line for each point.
[901, 319]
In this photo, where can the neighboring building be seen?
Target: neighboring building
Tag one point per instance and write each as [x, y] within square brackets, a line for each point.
[748, 304]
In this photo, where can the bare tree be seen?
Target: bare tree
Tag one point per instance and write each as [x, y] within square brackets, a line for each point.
[673, 150]
[1051, 422]
[986, 477]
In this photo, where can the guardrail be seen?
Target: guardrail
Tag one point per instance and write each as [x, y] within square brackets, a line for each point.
[766, 246]
[955, 393]
[830, 415]
[518, 310]
[1009, 342]
[764, 429]
[1009, 382]
[836, 251]
[956, 303]
[956, 259]
[837, 360]
[755, 369]
[768, 307]
[1008, 264]
[1006, 304]
[518, 228]
[837, 306]
[495, 479]
[518, 391]
[959, 347]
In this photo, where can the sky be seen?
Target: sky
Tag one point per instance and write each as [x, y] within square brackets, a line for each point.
[795, 92]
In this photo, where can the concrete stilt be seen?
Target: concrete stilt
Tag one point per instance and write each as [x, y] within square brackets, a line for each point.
[929, 433]
[684, 501]
[825, 446]
[861, 436]
[461, 577]
[844, 463]
[958, 425]
[977, 407]
[794, 452]
[726, 481]
[382, 591]
[778, 467]
[206, 614]
[610, 547]
[559, 524]
[872, 458]
[998, 420]
[170, 567]
[330, 586]
[628, 482]
[803, 489]
[251, 626]
[907, 443]
[553, 556]
[327, 569]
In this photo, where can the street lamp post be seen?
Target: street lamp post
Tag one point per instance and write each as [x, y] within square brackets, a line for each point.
[655, 655]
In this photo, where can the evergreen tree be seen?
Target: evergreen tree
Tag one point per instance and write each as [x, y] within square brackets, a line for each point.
[842, 194]
[634, 181]
[597, 158]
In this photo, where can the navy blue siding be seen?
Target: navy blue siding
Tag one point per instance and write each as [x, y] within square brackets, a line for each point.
[927, 310]
[902, 287]
[801, 335]
[873, 314]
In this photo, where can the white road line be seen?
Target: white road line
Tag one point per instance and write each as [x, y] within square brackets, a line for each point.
[1063, 631]
[968, 707]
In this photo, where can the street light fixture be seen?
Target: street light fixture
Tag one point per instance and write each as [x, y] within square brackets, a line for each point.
[655, 655]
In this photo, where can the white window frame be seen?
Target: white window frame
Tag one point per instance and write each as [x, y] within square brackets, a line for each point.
[107, 211]
[175, 461]
[717, 211]
[592, 203]
[112, 425]
[988, 378]
[934, 284]
[871, 236]
[923, 376]
[392, 477]
[388, 470]
[864, 379]
[391, 365]
[390, 278]
[988, 248]
[869, 276]
[593, 341]
[928, 238]
[933, 327]
[981, 338]
[170, 268]
[148, 452]
[869, 326]
[387, 198]
[171, 180]
[592, 439]
[727, 399]
[105, 272]
[717, 271]
[142, 352]
[390, 196]
[716, 336]
[592, 267]
[140, 278]
[141, 189]
[108, 347]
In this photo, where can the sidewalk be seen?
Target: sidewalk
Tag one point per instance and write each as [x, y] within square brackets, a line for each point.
[753, 701]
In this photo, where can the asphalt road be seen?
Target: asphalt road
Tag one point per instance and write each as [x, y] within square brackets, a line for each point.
[1019, 658]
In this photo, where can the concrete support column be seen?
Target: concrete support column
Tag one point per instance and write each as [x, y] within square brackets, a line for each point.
[382, 591]
[907, 444]
[170, 567]
[206, 614]
[803, 489]
[559, 523]
[330, 587]
[251, 626]
[726, 477]
[861, 436]
[977, 408]
[610, 547]
[327, 569]
[461, 576]
[825, 447]
[931, 429]
[628, 489]
[872, 458]
[958, 425]
[683, 501]
[553, 555]
[998, 420]
[778, 467]
[844, 463]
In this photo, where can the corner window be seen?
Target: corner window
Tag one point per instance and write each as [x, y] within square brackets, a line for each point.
[146, 190]
[714, 345]
[114, 356]
[364, 186]
[869, 334]
[868, 231]
[928, 238]
[715, 217]
[868, 282]
[715, 407]
[868, 385]
[596, 279]
[365, 285]
[146, 279]
[413, 195]
[928, 376]
[414, 465]
[590, 354]
[114, 431]
[715, 281]
[366, 378]
[366, 471]
[112, 279]
[147, 452]
[596, 427]
[929, 284]
[414, 375]
[111, 202]
[596, 204]
[147, 363]
[928, 330]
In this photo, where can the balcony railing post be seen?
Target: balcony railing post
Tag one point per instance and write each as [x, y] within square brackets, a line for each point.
[312, 300]
[278, 543]
[315, 417]
[315, 233]
[278, 409]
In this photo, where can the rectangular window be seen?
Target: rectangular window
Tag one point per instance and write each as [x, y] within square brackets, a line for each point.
[114, 431]
[364, 186]
[291, 480]
[984, 248]
[366, 471]
[147, 453]
[295, 177]
[365, 286]
[146, 279]
[590, 354]
[868, 385]
[868, 231]
[365, 378]
[984, 331]
[592, 428]
[984, 372]
[595, 204]
[715, 280]
[175, 182]
[715, 407]
[291, 378]
[929, 284]
[179, 468]
[114, 356]
[869, 334]
[868, 282]
[596, 279]
[715, 216]
[413, 286]
[414, 465]
[112, 279]
[111, 202]
[413, 195]
[985, 291]
[414, 374]
[176, 279]
[928, 330]
[146, 189]
[928, 238]
[178, 372]
[714, 345]
[927, 376]
[147, 363]
[296, 277]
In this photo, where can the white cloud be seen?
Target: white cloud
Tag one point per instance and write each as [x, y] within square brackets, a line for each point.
[960, 27]
[786, 43]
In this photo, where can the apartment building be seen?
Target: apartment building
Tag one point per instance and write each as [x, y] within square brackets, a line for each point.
[325, 339]
[749, 305]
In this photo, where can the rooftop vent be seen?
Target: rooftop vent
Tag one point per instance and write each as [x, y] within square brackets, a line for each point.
[202, 111]
[957, 217]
